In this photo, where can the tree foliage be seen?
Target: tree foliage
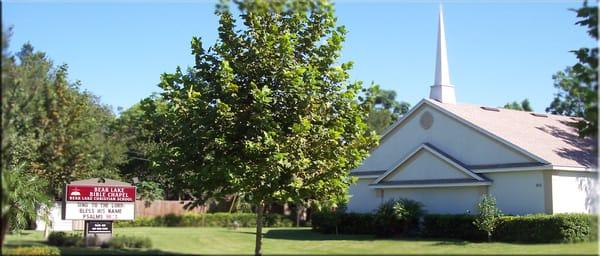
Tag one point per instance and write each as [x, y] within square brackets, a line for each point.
[523, 106]
[488, 216]
[385, 109]
[140, 128]
[267, 111]
[52, 133]
[578, 84]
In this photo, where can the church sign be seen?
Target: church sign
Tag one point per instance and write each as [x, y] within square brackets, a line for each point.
[100, 193]
[99, 211]
[95, 227]
[99, 202]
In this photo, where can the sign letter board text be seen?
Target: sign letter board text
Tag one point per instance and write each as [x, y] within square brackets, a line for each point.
[99, 202]
[94, 227]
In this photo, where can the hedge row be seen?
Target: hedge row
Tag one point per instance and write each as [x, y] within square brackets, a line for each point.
[33, 250]
[207, 220]
[63, 239]
[343, 223]
[539, 228]
[120, 242]
[456, 226]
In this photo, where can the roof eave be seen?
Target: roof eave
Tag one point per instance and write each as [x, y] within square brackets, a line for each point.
[466, 184]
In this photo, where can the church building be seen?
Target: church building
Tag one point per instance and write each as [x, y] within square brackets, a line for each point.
[446, 155]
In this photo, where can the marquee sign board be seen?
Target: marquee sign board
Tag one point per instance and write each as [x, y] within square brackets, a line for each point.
[97, 227]
[99, 211]
[95, 200]
[100, 193]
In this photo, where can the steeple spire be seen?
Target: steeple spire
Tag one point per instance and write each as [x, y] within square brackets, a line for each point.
[442, 90]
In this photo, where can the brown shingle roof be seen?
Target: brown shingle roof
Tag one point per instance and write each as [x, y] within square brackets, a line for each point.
[551, 138]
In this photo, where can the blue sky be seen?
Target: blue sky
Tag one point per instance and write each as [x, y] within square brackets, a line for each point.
[499, 51]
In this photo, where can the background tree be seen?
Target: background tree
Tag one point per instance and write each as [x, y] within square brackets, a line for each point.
[78, 140]
[266, 111]
[523, 106]
[140, 128]
[52, 133]
[578, 85]
[385, 110]
[22, 192]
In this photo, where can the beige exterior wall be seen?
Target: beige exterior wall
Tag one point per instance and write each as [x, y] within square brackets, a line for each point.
[362, 198]
[426, 166]
[452, 200]
[457, 139]
[519, 192]
[574, 192]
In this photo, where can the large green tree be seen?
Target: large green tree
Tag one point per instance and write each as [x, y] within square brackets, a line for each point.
[78, 139]
[523, 106]
[141, 127]
[578, 84]
[52, 133]
[22, 191]
[385, 110]
[267, 111]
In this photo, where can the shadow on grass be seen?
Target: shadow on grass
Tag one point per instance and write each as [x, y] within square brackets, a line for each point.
[309, 235]
[106, 251]
[451, 242]
[7, 249]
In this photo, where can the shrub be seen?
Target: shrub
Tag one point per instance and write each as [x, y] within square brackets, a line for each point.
[455, 226]
[272, 220]
[326, 221]
[540, 228]
[488, 217]
[206, 220]
[332, 222]
[410, 212]
[120, 242]
[387, 222]
[34, 250]
[63, 239]
[397, 217]
[391, 218]
[57, 238]
[356, 223]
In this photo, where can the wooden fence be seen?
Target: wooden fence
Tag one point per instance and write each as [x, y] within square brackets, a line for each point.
[164, 207]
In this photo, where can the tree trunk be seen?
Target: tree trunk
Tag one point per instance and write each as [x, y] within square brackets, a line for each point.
[298, 212]
[259, 224]
[47, 229]
[4, 230]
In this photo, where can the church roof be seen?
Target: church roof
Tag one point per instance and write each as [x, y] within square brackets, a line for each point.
[549, 137]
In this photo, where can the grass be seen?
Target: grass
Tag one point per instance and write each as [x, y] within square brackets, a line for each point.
[297, 241]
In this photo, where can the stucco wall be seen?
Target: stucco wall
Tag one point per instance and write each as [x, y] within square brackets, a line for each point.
[574, 192]
[518, 192]
[462, 142]
[426, 166]
[363, 199]
[453, 200]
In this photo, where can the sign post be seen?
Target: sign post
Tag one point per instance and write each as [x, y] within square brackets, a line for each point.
[99, 203]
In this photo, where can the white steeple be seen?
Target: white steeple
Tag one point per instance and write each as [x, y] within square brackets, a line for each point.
[442, 90]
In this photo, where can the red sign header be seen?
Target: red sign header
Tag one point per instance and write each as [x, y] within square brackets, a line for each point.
[100, 193]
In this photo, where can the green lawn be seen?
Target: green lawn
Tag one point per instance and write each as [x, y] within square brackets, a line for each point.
[301, 241]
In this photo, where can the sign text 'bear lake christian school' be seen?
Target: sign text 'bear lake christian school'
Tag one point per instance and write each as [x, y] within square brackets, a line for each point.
[99, 202]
